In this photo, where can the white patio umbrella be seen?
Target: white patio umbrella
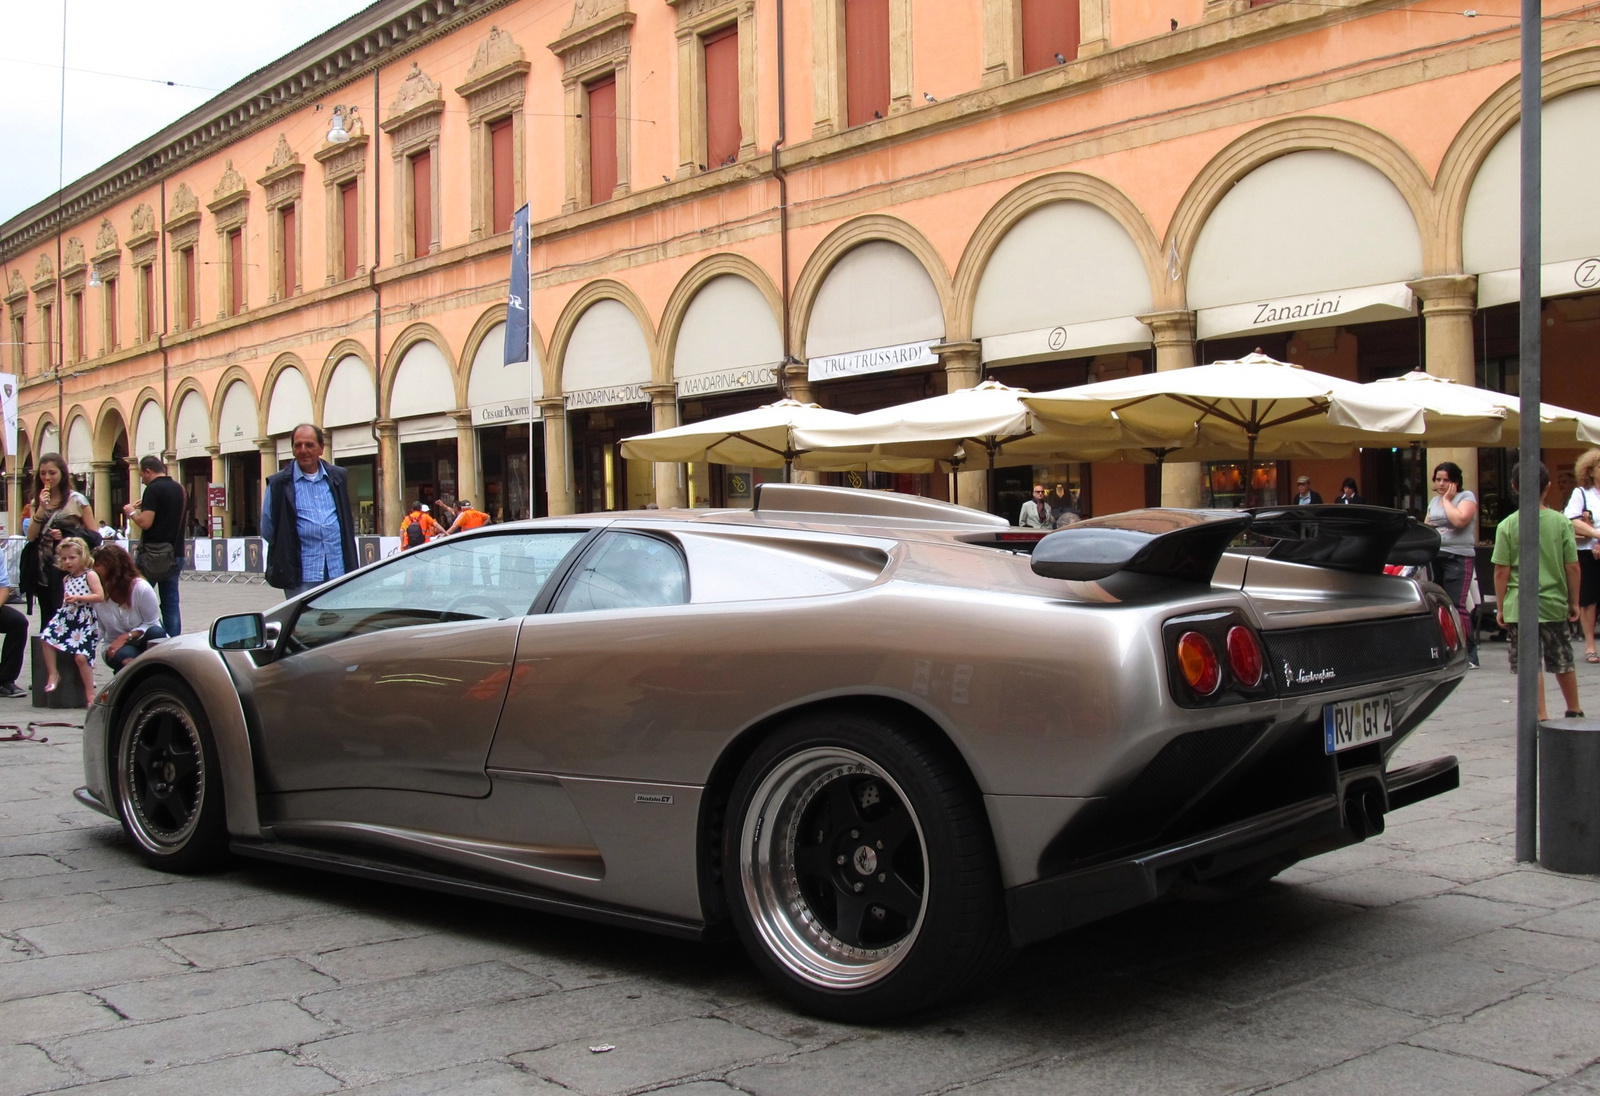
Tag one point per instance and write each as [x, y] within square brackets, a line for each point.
[1559, 427]
[762, 438]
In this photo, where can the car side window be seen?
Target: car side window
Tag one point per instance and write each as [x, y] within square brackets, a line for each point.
[626, 571]
[475, 578]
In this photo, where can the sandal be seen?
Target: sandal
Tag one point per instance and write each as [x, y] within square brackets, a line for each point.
[1591, 656]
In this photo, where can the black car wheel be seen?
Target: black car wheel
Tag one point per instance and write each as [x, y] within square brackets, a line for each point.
[859, 868]
[168, 785]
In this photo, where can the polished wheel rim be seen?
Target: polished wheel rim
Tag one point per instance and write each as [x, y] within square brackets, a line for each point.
[834, 868]
[161, 778]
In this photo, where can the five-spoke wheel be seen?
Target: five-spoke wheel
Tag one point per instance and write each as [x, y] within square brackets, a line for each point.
[168, 790]
[859, 868]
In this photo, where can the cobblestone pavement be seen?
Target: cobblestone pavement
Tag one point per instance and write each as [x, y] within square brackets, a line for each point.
[1425, 961]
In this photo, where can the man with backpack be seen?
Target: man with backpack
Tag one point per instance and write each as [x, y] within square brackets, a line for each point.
[418, 527]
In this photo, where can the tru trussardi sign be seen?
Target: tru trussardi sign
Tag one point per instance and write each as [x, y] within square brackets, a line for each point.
[883, 359]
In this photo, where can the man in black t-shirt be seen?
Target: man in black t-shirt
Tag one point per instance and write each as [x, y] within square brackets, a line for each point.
[160, 515]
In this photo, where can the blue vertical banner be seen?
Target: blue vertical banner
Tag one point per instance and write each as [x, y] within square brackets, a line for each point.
[517, 298]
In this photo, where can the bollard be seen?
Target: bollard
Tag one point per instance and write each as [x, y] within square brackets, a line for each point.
[1569, 808]
[69, 693]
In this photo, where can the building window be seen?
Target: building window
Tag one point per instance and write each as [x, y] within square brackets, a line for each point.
[349, 231]
[502, 176]
[75, 333]
[284, 251]
[145, 303]
[420, 203]
[188, 287]
[110, 301]
[47, 334]
[496, 86]
[233, 272]
[19, 340]
[602, 115]
[1049, 33]
[595, 53]
[866, 45]
[724, 134]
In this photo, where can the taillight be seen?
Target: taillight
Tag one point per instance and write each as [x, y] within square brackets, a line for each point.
[1244, 656]
[1447, 625]
[1197, 659]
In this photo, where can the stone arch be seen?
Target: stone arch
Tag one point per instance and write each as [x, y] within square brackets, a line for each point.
[411, 336]
[1035, 194]
[187, 385]
[219, 393]
[344, 348]
[496, 314]
[76, 414]
[45, 421]
[1481, 132]
[840, 242]
[107, 423]
[683, 294]
[592, 293]
[1299, 133]
[146, 397]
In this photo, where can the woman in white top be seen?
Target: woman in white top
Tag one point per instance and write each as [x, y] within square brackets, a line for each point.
[130, 615]
[1583, 508]
[1453, 511]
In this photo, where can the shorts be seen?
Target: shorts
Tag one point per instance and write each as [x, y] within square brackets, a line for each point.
[1554, 645]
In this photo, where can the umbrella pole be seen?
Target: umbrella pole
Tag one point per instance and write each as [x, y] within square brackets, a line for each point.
[788, 468]
[1250, 472]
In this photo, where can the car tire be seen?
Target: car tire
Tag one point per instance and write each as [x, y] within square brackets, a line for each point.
[859, 869]
[166, 780]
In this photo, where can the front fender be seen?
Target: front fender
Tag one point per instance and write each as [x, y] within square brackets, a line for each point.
[192, 660]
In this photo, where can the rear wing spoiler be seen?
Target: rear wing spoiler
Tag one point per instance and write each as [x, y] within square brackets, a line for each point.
[1185, 545]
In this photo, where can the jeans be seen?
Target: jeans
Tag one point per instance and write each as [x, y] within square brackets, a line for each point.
[167, 590]
[1454, 573]
[15, 627]
[125, 654]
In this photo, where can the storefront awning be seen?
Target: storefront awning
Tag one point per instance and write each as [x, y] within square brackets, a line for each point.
[1339, 308]
[237, 427]
[497, 393]
[1077, 340]
[149, 433]
[882, 359]
[423, 384]
[289, 404]
[1555, 280]
[351, 397]
[607, 362]
[876, 311]
[427, 428]
[346, 441]
[728, 341]
[194, 428]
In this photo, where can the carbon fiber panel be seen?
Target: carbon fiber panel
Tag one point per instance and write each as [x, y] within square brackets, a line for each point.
[1313, 660]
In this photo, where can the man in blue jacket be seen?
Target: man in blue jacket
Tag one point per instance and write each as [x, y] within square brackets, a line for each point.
[306, 519]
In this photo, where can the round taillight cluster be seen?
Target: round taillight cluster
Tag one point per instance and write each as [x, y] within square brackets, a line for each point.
[1447, 625]
[1244, 656]
[1197, 659]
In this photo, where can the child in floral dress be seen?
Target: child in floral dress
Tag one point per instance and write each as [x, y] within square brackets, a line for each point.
[74, 629]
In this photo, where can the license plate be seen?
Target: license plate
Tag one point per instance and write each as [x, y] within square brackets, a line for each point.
[1347, 724]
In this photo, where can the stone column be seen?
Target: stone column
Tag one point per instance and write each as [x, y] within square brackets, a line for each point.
[1173, 333]
[1449, 302]
[467, 478]
[664, 416]
[797, 386]
[391, 478]
[219, 474]
[14, 493]
[100, 478]
[268, 448]
[557, 456]
[964, 369]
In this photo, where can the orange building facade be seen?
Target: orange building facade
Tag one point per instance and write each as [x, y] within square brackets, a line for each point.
[852, 202]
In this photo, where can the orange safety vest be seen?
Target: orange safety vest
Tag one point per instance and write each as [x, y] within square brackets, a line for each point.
[430, 528]
[472, 519]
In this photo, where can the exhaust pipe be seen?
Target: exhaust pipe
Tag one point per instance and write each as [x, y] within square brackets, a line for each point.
[1363, 810]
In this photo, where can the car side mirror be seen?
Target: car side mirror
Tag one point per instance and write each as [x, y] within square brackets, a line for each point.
[242, 632]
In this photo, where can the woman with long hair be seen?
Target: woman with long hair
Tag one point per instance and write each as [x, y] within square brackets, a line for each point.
[130, 615]
[1584, 508]
[58, 511]
[1453, 511]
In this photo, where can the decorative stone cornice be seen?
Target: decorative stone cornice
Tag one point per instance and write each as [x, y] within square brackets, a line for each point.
[44, 274]
[231, 190]
[144, 225]
[106, 247]
[419, 95]
[596, 45]
[343, 161]
[72, 257]
[16, 289]
[498, 78]
[282, 181]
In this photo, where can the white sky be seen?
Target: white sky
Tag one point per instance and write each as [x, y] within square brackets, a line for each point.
[190, 42]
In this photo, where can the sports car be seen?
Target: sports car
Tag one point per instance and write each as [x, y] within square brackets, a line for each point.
[883, 739]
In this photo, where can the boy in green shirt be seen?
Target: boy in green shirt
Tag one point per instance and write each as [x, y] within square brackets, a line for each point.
[1558, 591]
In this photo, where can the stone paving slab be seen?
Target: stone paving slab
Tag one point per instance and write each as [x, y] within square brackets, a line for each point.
[1427, 961]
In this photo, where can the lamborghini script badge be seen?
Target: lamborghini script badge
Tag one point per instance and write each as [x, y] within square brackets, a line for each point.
[1306, 677]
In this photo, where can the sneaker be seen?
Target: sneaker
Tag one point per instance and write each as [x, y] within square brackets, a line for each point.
[1473, 663]
[11, 692]
[1575, 715]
